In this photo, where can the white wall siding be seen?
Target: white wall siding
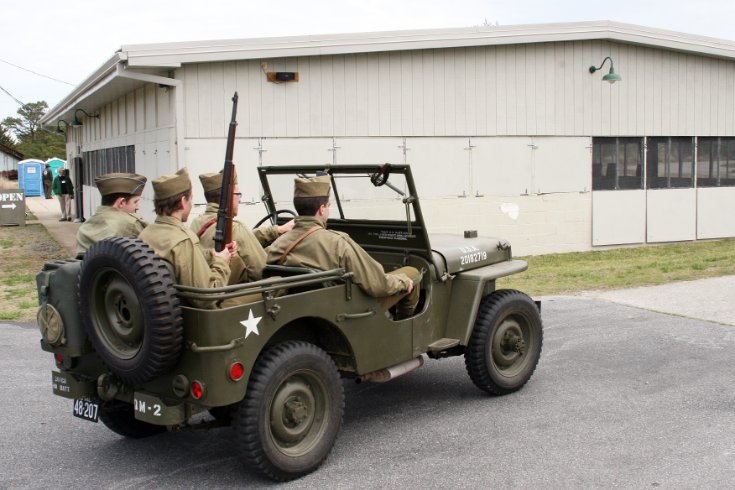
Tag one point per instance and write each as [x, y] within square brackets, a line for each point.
[539, 198]
[618, 217]
[144, 118]
[671, 215]
[532, 89]
[715, 218]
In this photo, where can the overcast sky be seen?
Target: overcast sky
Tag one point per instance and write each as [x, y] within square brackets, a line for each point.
[69, 40]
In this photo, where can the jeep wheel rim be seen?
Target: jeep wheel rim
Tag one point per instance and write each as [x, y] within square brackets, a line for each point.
[116, 314]
[510, 345]
[299, 413]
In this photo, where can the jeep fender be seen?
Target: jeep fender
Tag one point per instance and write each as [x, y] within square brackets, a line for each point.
[468, 288]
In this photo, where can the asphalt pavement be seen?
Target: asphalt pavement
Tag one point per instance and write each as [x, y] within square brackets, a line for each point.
[623, 397]
[634, 389]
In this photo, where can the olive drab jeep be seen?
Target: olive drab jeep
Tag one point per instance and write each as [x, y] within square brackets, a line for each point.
[132, 352]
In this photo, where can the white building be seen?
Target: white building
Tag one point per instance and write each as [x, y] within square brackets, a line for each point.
[9, 159]
[505, 127]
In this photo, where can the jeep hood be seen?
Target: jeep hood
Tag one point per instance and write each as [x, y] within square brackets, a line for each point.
[461, 254]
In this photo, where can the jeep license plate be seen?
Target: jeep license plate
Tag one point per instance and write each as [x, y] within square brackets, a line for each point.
[86, 409]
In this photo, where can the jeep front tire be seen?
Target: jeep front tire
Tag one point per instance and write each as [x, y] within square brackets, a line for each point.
[505, 344]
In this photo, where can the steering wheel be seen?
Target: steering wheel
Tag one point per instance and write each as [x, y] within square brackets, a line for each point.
[275, 215]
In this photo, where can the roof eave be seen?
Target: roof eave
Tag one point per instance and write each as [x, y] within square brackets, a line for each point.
[90, 84]
[174, 54]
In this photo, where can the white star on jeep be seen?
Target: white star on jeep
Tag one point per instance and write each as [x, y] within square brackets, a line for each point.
[251, 324]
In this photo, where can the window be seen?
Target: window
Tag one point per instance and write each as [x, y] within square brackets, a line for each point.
[108, 160]
[617, 163]
[670, 162]
[715, 162]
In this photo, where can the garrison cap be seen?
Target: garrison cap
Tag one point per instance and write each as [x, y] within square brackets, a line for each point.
[120, 183]
[312, 187]
[213, 180]
[167, 186]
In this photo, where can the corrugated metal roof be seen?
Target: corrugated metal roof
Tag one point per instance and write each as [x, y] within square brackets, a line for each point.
[164, 56]
[11, 152]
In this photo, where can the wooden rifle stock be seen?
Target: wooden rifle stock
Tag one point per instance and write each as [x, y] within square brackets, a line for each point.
[226, 212]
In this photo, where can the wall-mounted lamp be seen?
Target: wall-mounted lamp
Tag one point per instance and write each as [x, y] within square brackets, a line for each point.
[58, 126]
[611, 77]
[77, 122]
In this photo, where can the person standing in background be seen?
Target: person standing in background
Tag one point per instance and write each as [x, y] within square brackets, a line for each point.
[48, 179]
[64, 191]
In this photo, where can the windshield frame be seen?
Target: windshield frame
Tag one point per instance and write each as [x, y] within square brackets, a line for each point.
[413, 234]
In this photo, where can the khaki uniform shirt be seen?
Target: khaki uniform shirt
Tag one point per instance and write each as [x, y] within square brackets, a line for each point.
[248, 266]
[107, 222]
[178, 245]
[328, 249]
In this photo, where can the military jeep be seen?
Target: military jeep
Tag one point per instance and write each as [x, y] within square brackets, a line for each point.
[132, 352]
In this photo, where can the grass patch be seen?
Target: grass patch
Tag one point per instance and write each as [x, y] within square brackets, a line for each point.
[623, 267]
[23, 250]
[15, 278]
[10, 315]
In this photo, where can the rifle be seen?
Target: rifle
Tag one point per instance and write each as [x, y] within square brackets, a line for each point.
[223, 230]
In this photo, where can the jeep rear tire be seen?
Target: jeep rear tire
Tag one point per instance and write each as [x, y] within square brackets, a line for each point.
[506, 340]
[120, 419]
[290, 417]
[129, 309]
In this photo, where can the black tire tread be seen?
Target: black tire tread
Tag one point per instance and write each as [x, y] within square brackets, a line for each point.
[246, 414]
[152, 282]
[475, 355]
[120, 418]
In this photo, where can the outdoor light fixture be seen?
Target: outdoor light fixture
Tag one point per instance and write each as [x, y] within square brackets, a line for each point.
[58, 126]
[611, 77]
[77, 122]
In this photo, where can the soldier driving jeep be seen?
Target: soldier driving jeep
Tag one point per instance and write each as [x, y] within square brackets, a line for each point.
[311, 244]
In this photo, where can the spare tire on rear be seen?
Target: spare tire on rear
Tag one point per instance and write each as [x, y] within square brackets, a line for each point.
[129, 308]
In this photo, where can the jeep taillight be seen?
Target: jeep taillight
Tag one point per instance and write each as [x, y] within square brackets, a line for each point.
[237, 370]
[59, 358]
[197, 390]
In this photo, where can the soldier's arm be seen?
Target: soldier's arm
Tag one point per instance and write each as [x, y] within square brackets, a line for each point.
[192, 270]
[369, 273]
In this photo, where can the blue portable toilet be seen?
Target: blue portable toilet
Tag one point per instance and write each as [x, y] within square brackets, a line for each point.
[30, 177]
[56, 164]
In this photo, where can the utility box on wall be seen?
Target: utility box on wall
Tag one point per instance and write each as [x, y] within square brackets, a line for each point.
[12, 207]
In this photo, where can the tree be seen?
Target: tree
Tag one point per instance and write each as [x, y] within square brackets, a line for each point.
[5, 138]
[32, 139]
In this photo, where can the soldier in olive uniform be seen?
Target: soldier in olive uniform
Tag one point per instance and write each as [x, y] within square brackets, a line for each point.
[310, 244]
[177, 244]
[250, 260]
[116, 216]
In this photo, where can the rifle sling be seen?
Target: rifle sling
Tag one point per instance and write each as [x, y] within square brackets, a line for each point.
[296, 242]
[206, 226]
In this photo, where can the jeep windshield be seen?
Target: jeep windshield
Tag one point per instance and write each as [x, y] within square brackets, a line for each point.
[376, 204]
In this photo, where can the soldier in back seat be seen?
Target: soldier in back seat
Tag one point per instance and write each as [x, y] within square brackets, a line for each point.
[117, 215]
[248, 265]
[310, 244]
[178, 245]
